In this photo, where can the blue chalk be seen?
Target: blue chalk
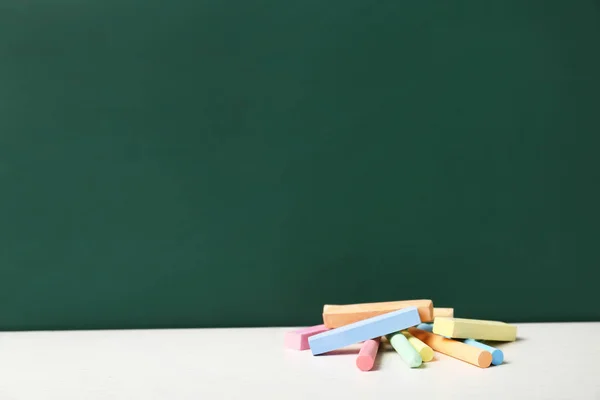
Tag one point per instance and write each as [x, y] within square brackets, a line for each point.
[366, 329]
[497, 354]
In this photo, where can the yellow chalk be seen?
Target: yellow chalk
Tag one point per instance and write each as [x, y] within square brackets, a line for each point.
[443, 312]
[474, 329]
[425, 351]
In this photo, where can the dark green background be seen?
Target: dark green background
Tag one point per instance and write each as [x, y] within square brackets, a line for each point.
[202, 163]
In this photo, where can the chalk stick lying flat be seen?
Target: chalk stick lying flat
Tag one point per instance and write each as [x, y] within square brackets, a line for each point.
[443, 312]
[368, 353]
[298, 340]
[461, 328]
[497, 354]
[407, 352]
[335, 316]
[380, 325]
[452, 348]
[424, 351]
[425, 327]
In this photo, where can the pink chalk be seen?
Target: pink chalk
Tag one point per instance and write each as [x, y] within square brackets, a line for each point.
[367, 354]
[298, 340]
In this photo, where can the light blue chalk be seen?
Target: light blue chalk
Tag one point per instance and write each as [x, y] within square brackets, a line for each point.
[366, 329]
[497, 354]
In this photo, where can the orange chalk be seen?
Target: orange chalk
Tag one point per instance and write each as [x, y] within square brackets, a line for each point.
[367, 354]
[464, 352]
[335, 316]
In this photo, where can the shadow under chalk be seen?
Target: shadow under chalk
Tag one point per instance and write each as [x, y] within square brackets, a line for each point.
[500, 345]
[376, 364]
[386, 350]
[354, 352]
[340, 352]
[504, 347]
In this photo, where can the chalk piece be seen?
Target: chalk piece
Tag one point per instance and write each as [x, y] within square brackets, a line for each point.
[407, 352]
[443, 312]
[497, 354]
[424, 351]
[461, 328]
[425, 327]
[380, 325]
[368, 353]
[335, 316]
[464, 352]
[298, 339]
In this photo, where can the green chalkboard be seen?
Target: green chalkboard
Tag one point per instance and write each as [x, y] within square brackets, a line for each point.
[204, 163]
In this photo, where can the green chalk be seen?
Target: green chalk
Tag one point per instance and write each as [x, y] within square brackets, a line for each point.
[407, 352]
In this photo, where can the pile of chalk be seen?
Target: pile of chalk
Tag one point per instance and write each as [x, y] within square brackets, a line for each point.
[414, 328]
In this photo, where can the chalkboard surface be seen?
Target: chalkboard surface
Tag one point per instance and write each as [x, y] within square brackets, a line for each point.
[204, 163]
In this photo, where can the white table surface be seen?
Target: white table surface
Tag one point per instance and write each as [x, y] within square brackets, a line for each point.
[549, 361]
